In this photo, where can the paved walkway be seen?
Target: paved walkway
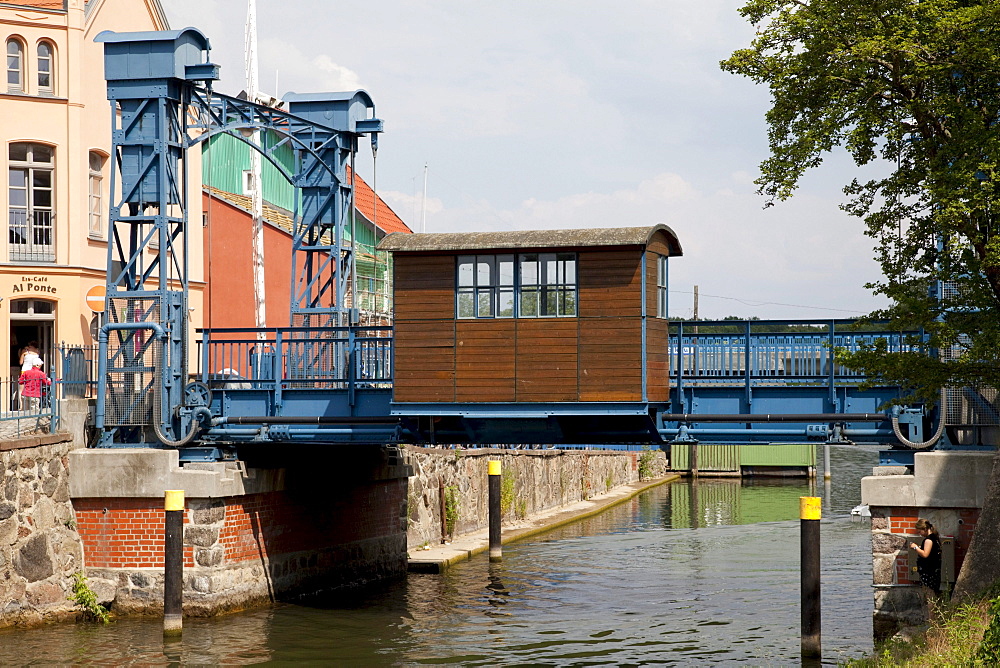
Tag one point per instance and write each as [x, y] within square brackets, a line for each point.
[439, 557]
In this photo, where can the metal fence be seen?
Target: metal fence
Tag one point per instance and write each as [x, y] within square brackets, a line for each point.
[32, 236]
[327, 357]
[77, 371]
[769, 357]
[29, 407]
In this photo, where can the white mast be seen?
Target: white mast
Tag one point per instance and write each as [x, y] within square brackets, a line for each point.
[423, 204]
[252, 86]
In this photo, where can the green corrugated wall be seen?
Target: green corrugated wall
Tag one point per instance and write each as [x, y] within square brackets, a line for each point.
[226, 158]
[730, 457]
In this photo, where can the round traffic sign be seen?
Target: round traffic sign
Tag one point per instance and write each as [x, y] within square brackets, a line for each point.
[95, 298]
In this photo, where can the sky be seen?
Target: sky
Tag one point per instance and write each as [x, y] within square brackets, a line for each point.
[548, 114]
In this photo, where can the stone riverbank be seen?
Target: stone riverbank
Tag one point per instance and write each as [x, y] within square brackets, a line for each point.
[447, 497]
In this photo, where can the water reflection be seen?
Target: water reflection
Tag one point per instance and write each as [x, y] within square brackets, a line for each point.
[729, 501]
[686, 574]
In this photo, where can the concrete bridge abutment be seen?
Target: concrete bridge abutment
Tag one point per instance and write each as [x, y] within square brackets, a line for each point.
[252, 535]
[946, 487]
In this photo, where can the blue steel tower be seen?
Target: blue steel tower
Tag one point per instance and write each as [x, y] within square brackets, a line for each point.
[159, 85]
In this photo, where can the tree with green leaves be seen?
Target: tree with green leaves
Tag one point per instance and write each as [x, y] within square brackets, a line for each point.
[910, 88]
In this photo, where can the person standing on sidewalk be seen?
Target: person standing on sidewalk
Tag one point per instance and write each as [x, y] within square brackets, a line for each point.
[31, 382]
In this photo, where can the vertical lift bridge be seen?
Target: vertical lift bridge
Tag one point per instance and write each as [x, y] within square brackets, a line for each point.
[324, 379]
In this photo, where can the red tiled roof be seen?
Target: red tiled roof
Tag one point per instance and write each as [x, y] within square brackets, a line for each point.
[365, 200]
[37, 4]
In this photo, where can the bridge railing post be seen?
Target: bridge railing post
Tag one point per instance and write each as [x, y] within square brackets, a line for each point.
[680, 367]
[747, 364]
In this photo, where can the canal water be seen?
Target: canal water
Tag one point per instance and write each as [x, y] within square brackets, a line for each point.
[685, 574]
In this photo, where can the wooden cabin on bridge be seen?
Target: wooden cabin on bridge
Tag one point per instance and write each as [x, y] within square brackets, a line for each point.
[532, 317]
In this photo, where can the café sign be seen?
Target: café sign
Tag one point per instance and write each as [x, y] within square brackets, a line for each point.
[34, 285]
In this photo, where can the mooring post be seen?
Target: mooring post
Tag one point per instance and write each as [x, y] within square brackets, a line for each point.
[444, 511]
[810, 511]
[496, 551]
[826, 461]
[173, 562]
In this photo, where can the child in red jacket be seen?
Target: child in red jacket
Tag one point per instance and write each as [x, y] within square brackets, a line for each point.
[32, 381]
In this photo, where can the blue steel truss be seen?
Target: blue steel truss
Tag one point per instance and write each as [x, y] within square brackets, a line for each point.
[760, 370]
[159, 85]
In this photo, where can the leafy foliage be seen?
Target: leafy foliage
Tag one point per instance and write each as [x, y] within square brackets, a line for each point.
[912, 89]
[646, 461]
[955, 637]
[507, 491]
[451, 508]
[989, 648]
[85, 597]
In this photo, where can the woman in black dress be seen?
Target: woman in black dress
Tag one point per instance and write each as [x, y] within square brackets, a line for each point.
[928, 556]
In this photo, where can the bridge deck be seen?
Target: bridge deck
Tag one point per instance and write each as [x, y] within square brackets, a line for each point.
[344, 378]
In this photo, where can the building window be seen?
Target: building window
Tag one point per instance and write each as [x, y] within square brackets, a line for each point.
[547, 285]
[31, 307]
[31, 218]
[536, 285]
[15, 66]
[249, 183]
[96, 224]
[46, 74]
[661, 286]
[485, 286]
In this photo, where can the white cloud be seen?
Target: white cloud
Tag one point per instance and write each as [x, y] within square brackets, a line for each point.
[337, 77]
[560, 115]
[804, 252]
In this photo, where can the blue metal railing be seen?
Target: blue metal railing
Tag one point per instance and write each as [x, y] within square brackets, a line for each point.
[760, 357]
[315, 358]
[77, 371]
[21, 414]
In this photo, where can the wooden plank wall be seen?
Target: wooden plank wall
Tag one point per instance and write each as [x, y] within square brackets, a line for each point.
[484, 360]
[610, 325]
[547, 365]
[594, 357]
[424, 304]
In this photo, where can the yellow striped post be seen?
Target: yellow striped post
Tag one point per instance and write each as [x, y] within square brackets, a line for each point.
[810, 512]
[494, 471]
[173, 561]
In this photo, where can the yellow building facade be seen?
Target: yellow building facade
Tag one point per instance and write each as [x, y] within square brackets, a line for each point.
[55, 131]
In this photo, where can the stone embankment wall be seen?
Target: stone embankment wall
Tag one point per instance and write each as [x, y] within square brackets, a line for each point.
[40, 549]
[532, 481]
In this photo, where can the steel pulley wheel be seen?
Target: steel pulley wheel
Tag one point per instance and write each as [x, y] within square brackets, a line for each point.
[197, 393]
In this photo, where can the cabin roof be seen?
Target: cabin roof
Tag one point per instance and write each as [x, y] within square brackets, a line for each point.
[38, 4]
[523, 239]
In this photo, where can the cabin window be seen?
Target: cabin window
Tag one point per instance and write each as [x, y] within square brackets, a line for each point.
[547, 285]
[536, 285]
[661, 286]
[485, 286]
